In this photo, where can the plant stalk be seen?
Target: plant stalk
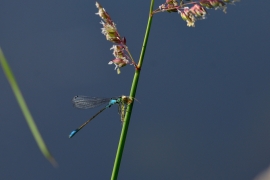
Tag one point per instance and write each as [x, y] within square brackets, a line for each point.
[124, 131]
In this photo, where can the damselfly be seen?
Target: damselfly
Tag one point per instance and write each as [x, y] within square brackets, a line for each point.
[85, 102]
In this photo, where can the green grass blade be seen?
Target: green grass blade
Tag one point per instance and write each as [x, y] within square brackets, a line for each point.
[18, 95]
[123, 135]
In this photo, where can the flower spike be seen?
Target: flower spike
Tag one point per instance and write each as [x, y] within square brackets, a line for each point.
[191, 11]
[120, 51]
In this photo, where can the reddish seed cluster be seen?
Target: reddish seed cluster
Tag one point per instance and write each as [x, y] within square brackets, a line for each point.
[110, 31]
[194, 10]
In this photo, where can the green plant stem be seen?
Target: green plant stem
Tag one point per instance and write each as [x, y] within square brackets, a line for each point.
[124, 131]
[29, 119]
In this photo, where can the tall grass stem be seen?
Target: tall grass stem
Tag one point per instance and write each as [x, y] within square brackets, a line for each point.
[124, 131]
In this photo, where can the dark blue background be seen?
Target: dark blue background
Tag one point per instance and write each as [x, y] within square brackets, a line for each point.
[204, 92]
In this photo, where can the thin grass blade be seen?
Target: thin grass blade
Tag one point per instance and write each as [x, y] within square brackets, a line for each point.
[29, 119]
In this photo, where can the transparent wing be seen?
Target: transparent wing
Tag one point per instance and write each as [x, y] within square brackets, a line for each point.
[119, 109]
[122, 111]
[86, 102]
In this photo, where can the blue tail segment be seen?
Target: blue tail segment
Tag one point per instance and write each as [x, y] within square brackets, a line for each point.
[73, 133]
